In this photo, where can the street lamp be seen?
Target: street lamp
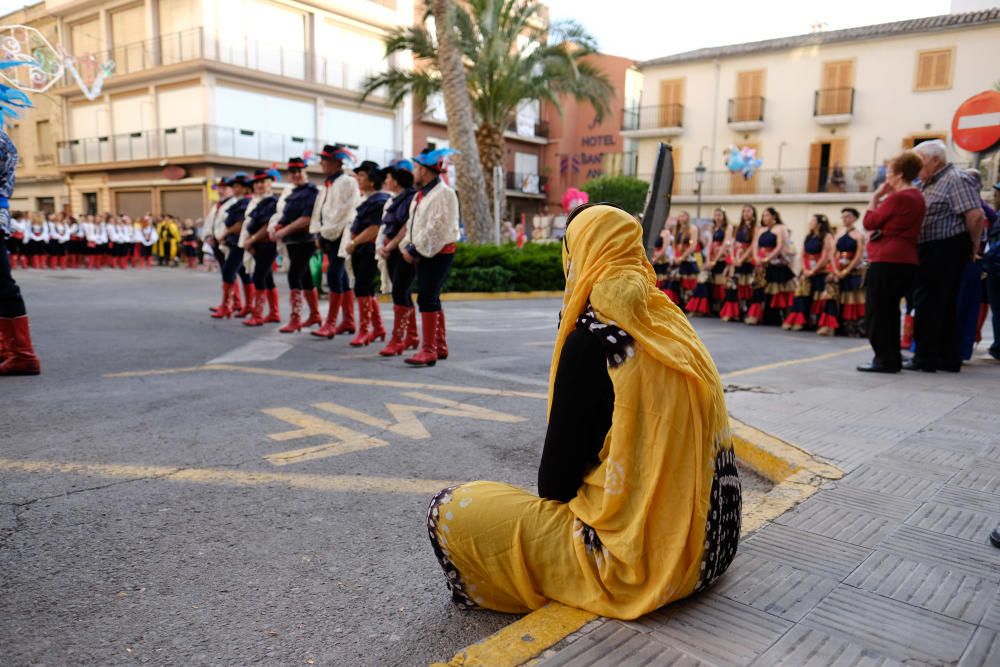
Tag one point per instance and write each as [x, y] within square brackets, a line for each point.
[699, 178]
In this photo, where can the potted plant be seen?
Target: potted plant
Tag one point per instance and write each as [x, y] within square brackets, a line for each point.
[863, 175]
[778, 181]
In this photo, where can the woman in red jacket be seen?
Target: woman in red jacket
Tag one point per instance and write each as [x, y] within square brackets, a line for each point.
[895, 214]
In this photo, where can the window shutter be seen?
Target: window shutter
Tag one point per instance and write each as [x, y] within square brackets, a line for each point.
[934, 69]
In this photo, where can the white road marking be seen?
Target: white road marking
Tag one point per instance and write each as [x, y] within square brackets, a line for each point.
[260, 349]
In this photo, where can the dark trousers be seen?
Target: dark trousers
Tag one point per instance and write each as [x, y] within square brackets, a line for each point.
[939, 278]
[11, 303]
[365, 268]
[336, 276]
[993, 292]
[402, 274]
[232, 266]
[299, 275]
[263, 263]
[887, 284]
[431, 274]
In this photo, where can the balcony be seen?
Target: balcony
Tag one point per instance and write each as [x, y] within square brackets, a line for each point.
[525, 185]
[528, 130]
[746, 114]
[665, 120]
[197, 44]
[833, 106]
[203, 141]
[822, 179]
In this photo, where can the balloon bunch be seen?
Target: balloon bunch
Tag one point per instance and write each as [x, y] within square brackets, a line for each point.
[742, 161]
[573, 198]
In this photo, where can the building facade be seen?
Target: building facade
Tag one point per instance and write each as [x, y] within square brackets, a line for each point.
[41, 186]
[202, 88]
[821, 111]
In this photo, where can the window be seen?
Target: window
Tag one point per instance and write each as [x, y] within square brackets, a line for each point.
[44, 143]
[934, 69]
[85, 37]
[526, 173]
[128, 29]
[749, 102]
[671, 102]
[90, 203]
[45, 204]
[837, 92]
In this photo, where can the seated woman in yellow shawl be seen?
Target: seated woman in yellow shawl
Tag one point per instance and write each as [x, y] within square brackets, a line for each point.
[640, 495]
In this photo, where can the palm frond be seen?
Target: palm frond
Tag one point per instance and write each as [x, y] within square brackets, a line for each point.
[400, 83]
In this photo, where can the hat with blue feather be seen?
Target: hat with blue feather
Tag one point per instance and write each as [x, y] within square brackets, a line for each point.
[434, 159]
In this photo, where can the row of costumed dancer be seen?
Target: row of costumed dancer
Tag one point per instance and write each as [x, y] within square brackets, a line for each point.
[94, 243]
[401, 220]
[746, 272]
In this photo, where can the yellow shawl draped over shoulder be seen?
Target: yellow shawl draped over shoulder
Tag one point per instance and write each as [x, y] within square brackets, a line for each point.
[649, 499]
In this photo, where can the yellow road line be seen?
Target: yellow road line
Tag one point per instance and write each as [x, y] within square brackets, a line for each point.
[794, 362]
[523, 639]
[223, 477]
[334, 379]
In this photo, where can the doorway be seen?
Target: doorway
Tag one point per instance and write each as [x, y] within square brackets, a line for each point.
[826, 166]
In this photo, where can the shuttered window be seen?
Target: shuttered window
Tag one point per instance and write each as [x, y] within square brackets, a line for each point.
[671, 102]
[934, 69]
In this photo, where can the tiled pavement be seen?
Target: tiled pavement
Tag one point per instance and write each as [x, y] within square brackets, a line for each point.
[891, 565]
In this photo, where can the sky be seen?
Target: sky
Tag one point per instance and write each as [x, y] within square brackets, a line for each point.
[646, 29]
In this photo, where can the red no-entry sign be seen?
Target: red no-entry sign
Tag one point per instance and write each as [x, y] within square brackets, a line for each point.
[976, 125]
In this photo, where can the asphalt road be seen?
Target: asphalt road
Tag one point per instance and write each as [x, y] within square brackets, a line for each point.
[270, 512]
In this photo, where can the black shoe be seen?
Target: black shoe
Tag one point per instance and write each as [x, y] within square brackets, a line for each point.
[995, 537]
[952, 369]
[914, 365]
[875, 368]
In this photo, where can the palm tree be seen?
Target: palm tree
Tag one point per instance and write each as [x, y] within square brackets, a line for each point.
[510, 58]
[471, 184]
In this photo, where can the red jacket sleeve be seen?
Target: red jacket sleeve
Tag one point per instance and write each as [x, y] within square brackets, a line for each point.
[875, 219]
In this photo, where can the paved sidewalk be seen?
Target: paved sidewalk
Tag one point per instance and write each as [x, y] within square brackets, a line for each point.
[890, 565]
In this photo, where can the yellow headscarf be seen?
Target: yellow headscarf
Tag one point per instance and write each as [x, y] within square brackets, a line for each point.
[648, 499]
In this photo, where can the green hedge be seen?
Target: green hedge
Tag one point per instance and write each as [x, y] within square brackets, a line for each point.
[624, 191]
[491, 268]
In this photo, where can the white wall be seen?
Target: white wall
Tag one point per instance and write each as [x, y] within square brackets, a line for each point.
[885, 105]
[177, 107]
[372, 131]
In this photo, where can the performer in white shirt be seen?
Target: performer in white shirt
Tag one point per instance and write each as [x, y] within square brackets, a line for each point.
[332, 216]
[147, 238]
[215, 221]
[36, 239]
[430, 243]
[15, 241]
[58, 242]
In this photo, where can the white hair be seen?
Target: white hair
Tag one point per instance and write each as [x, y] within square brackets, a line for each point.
[933, 148]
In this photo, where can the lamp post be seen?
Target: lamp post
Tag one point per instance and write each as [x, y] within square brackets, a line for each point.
[699, 178]
[875, 152]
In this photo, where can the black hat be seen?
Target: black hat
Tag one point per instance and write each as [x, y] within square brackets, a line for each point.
[336, 152]
[401, 171]
[263, 174]
[368, 167]
[224, 181]
[296, 163]
[241, 178]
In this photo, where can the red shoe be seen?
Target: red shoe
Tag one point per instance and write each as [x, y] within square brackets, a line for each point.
[312, 299]
[347, 307]
[412, 336]
[21, 359]
[235, 302]
[378, 329]
[295, 321]
[364, 319]
[222, 304]
[274, 307]
[225, 311]
[329, 328]
[249, 294]
[427, 356]
[396, 344]
[256, 318]
[442, 342]
[64, 262]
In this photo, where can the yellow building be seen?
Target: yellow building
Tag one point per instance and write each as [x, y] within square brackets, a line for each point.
[822, 111]
[203, 88]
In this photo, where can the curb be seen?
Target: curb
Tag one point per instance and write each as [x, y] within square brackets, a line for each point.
[796, 475]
